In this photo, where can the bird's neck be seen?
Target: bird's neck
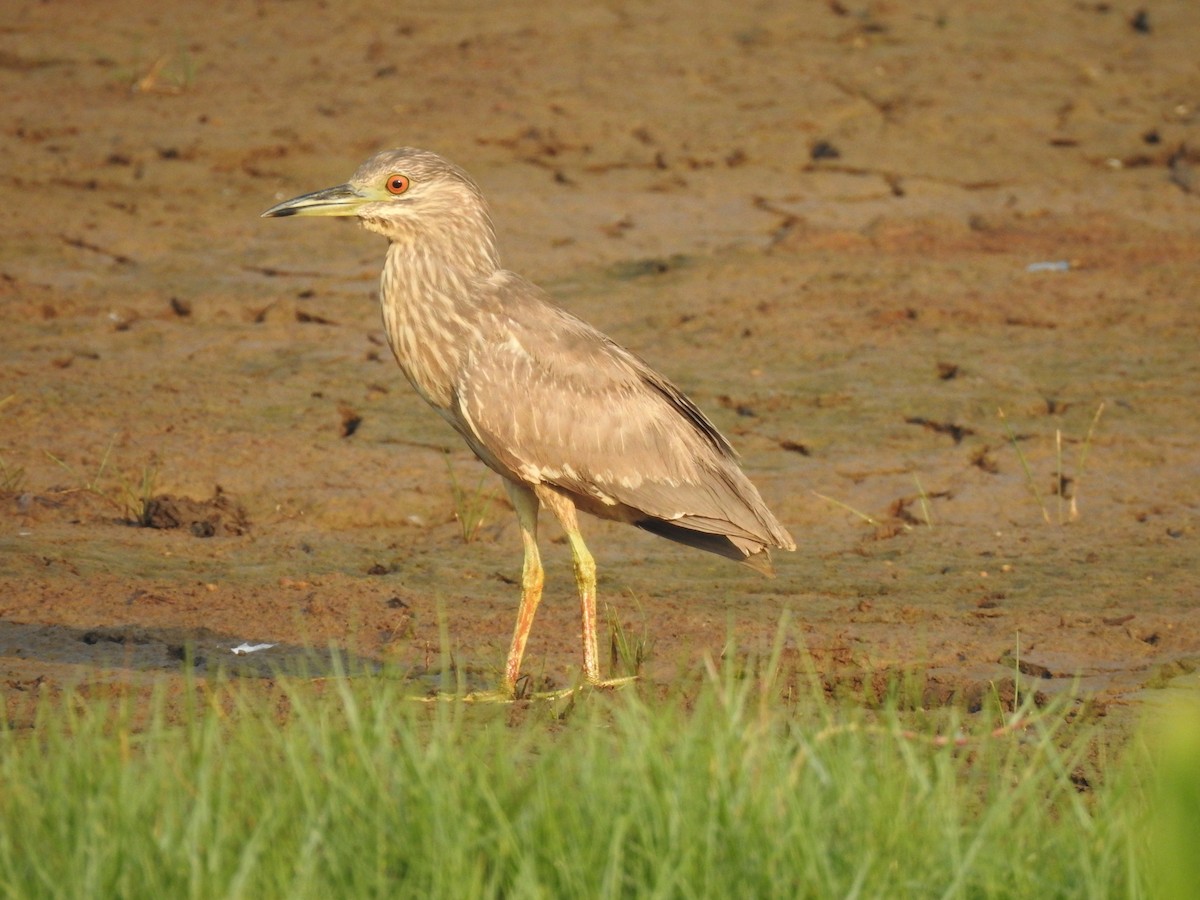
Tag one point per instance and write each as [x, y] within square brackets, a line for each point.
[428, 292]
[439, 248]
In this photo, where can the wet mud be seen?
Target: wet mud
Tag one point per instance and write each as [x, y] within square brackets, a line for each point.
[932, 270]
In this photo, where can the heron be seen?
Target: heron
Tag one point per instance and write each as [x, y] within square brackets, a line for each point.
[568, 418]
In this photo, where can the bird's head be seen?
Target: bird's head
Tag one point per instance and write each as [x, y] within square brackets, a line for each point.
[402, 194]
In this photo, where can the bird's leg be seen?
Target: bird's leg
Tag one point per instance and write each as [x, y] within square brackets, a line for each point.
[525, 502]
[585, 580]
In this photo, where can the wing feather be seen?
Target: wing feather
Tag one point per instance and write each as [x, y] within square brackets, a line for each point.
[551, 400]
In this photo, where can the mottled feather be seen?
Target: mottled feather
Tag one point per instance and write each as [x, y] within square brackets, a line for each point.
[548, 399]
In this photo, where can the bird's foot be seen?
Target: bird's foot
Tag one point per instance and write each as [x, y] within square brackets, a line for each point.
[520, 692]
[612, 683]
[500, 695]
[496, 696]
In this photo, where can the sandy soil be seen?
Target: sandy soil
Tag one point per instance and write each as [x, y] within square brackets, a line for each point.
[825, 220]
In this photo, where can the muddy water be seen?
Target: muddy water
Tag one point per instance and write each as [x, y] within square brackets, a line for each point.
[819, 223]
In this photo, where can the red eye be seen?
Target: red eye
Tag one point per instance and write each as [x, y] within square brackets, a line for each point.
[397, 184]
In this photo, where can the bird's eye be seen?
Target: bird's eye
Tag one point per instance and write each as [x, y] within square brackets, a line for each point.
[397, 184]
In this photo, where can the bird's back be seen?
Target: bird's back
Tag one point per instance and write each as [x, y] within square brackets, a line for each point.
[545, 398]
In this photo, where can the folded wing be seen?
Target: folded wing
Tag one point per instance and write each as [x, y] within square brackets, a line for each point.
[554, 401]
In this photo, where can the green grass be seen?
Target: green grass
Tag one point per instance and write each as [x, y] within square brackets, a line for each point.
[628, 651]
[1066, 488]
[130, 500]
[345, 787]
[471, 507]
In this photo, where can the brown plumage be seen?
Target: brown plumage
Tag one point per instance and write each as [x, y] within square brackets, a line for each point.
[569, 419]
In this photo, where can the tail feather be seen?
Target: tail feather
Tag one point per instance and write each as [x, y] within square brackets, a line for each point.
[756, 557]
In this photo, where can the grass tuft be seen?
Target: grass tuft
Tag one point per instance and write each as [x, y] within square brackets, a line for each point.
[337, 787]
[1065, 488]
[1037, 495]
[470, 506]
[627, 652]
[1073, 511]
[130, 500]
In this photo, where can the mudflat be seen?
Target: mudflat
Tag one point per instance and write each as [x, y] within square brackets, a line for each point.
[933, 270]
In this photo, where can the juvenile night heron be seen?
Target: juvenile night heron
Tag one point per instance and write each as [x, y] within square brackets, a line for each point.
[569, 419]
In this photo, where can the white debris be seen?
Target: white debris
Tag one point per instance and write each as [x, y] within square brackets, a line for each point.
[1057, 265]
[244, 648]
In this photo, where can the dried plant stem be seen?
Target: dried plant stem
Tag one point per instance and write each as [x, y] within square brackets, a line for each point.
[1025, 466]
[850, 509]
[1073, 510]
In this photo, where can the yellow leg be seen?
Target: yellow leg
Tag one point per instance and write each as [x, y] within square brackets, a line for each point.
[526, 504]
[585, 580]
